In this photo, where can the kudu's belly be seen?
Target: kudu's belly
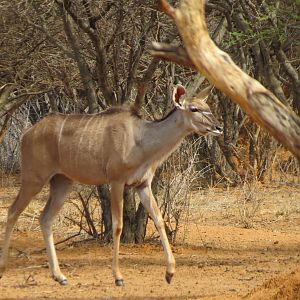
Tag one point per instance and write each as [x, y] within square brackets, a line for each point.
[83, 167]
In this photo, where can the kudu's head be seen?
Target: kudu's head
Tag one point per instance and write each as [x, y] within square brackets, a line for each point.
[196, 113]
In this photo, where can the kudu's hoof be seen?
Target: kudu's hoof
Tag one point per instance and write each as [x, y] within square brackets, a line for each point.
[63, 281]
[119, 282]
[169, 277]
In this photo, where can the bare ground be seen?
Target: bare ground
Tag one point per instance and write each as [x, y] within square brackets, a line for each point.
[217, 257]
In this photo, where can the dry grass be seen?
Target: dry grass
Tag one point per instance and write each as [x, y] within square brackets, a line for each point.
[252, 205]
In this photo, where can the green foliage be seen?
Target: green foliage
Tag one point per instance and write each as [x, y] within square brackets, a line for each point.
[238, 34]
[296, 17]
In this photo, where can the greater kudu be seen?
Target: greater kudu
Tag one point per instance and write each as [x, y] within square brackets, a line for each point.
[116, 147]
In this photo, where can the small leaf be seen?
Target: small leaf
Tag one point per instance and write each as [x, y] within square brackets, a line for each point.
[237, 34]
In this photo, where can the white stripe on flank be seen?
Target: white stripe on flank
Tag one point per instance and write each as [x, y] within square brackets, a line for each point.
[61, 130]
[92, 148]
[83, 134]
[84, 129]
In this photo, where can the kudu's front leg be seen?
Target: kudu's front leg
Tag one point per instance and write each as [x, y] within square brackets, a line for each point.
[150, 204]
[117, 226]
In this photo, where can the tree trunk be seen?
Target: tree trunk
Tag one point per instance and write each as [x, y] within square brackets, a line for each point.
[134, 221]
[141, 221]
[129, 216]
[104, 195]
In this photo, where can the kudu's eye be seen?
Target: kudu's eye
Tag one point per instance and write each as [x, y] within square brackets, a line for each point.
[194, 109]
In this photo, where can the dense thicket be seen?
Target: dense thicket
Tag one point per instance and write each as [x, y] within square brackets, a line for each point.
[84, 56]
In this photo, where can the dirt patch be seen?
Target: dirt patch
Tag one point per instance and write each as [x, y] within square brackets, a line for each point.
[279, 288]
[217, 258]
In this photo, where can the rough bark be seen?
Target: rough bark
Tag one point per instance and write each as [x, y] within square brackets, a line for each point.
[129, 210]
[104, 195]
[141, 220]
[202, 53]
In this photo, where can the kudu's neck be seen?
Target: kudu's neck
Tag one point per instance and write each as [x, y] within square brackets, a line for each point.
[163, 137]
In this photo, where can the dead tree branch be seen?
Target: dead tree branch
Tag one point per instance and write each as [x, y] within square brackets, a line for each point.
[202, 54]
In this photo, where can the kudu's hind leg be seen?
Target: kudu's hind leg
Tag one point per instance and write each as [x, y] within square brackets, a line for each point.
[117, 226]
[59, 188]
[27, 191]
[149, 202]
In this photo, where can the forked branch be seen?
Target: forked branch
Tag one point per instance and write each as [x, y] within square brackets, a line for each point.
[202, 54]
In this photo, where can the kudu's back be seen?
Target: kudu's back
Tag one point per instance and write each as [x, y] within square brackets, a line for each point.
[90, 149]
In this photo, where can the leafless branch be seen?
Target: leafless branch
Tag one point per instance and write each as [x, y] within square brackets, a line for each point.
[263, 107]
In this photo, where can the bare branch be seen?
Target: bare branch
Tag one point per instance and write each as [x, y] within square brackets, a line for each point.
[173, 53]
[4, 128]
[5, 91]
[86, 77]
[144, 83]
[45, 30]
[99, 51]
[263, 107]
[16, 101]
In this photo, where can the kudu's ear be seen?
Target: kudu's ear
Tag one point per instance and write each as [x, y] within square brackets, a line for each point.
[203, 94]
[178, 93]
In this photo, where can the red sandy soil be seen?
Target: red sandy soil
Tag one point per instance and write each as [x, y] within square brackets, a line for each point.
[217, 258]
